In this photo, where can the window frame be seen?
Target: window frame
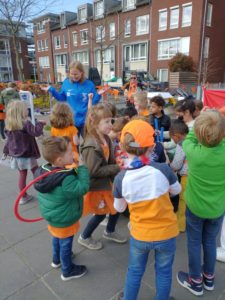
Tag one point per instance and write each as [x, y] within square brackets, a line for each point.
[138, 24]
[186, 23]
[127, 34]
[75, 33]
[175, 24]
[82, 41]
[57, 42]
[160, 26]
[209, 14]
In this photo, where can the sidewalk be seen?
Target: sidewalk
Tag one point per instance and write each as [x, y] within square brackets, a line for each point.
[25, 257]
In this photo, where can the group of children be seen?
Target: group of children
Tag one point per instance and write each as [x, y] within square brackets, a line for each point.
[118, 163]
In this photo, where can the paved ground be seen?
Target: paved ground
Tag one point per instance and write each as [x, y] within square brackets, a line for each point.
[25, 257]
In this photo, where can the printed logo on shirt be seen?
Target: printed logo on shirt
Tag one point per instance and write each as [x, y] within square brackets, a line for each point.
[101, 204]
[84, 97]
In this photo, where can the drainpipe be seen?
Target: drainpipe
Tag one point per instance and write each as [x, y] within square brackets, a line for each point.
[202, 42]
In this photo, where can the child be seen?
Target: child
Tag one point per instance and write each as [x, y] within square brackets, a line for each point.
[61, 202]
[184, 110]
[158, 116]
[97, 153]
[178, 132]
[141, 104]
[145, 188]
[61, 120]
[2, 121]
[198, 108]
[21, 143]
[205, 199]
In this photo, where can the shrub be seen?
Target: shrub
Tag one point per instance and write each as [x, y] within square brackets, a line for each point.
[181, 63]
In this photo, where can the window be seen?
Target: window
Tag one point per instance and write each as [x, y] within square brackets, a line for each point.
[187, 15]
[168, 48]
[60, 60]
[174, 17]
[40, 27]
[57, 42]
[129, 4]
[39, 46]
[112, 31]
[142, 25]
[135, 52]
[127, 26]
[44, 62]
[84, 37]
[209, 14]
[81, 56]
[65, 40]
[74, 37]
[99, 9]
[46, 44]
[162, 20]
[206, 47]
[108, 55]
[82, 14]
[100, 33]
[162, 75]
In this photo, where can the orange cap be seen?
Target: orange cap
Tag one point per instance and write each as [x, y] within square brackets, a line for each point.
[142, 132]
[222, 110]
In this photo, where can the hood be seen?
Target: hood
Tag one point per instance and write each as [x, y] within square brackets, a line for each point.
[48, 183]
[91, 142]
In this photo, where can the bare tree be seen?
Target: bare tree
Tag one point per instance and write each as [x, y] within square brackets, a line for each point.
[16, 13]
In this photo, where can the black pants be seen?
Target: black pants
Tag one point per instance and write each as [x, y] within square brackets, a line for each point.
[96, 220]
[2, 128]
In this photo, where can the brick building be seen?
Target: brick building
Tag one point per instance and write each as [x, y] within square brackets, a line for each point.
[8, 69]
[132, 35]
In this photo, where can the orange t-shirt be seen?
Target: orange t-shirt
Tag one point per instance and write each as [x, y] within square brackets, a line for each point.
[69, 131]
[144, 113]
[132, 90]
[2, 114]
[65, 232]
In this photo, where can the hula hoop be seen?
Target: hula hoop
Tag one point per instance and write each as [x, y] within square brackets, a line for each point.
[16, 205]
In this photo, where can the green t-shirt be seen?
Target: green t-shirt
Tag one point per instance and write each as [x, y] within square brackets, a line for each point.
[205, 191]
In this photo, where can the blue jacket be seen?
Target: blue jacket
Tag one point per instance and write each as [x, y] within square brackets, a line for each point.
[76, 94]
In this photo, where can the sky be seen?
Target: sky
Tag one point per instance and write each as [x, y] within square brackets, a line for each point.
[67, 5]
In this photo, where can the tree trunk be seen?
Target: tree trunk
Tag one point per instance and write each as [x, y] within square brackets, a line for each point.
[20, 73]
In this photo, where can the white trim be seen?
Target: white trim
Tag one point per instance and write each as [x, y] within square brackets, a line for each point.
[175, 38]
[174, 7]
[187, 4]
[162, 10]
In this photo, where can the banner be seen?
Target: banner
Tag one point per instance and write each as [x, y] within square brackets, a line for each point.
[214, 98]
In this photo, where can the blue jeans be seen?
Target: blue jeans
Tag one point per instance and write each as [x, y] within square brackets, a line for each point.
[201, 232]
[138, 257]
[62, 252]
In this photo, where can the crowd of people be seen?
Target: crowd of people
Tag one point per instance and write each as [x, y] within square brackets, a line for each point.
[168, 176]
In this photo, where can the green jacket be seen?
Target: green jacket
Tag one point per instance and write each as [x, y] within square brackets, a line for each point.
[8, 95]
[61, 194]
[205, 191]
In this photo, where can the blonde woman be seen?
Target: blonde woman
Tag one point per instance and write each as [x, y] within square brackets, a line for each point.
[75, 91]
[21, 144]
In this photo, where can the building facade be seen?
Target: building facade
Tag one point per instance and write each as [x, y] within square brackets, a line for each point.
[117, 36]
[8, 68]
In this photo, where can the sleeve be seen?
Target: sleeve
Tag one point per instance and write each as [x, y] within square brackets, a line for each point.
[178, 159]
[79, 185]
[34, 130]
[61, 96]
[120, 203]
[190, 143]
[174, 186]
[96, 96]
[93, 160]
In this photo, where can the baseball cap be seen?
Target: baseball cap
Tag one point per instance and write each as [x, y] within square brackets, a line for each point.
[142, 132]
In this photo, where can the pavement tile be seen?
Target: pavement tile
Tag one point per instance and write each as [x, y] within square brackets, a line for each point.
[14, 274]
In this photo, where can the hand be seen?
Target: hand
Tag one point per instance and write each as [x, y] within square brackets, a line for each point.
[44, 88]
[90, 97]
[105, 89]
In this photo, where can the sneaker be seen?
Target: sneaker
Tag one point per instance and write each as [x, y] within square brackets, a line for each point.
[195, 287]
[25, 199]
[76, 272]
[220, 254]
[56, 265]
[208, 282]
[90, 243]
[114, 236]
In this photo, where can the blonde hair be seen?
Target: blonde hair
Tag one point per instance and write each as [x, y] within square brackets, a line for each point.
[95, 115]
[79, 66]
[209, 128]
[24, 87]
[16, 115]
[61, 116]
[54, 147]
[141, 99]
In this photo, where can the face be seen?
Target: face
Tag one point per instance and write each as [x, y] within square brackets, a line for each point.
[155, 109]
[133, 78]
[105, 126]
[136, 105]
[177, 137]
[75, 75]
[66, 158]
